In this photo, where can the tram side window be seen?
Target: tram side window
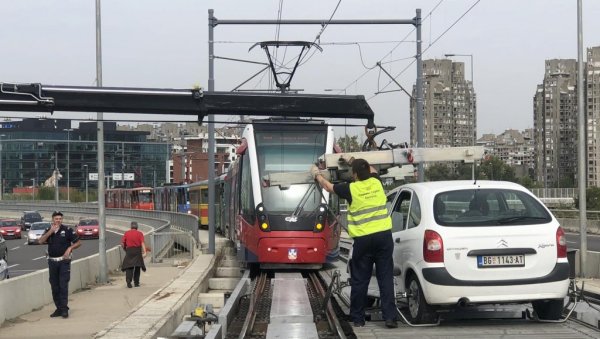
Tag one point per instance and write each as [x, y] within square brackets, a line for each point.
[246, 198]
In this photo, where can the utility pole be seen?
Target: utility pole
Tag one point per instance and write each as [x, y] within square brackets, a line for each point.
[68, 130]
[103, 265]
[56, 177]
[581, 163]
[1, 176]
[211, 136]
[123, 164]
[86, 182]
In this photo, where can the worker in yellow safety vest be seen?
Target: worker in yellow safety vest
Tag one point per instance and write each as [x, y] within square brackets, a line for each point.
[370, 227]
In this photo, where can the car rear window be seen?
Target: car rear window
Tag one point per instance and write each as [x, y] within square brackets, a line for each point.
[488, 207]
[88, 222]
[40, 226]
[32, 217]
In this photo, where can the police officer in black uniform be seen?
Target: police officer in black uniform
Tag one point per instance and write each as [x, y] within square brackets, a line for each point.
[62, 240]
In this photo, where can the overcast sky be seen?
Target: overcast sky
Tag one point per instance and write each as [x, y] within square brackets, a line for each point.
[160, 43]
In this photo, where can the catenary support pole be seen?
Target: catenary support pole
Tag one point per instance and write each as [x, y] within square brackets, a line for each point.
[581, 163]
[211, 137]
[103, 267]
[419, 95]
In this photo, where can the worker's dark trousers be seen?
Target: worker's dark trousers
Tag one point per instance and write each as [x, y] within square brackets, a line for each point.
[376, 248]
[132, 272]
[60, 274]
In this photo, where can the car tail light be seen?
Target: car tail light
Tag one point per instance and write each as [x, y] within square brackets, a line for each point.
[561, 243]
[433, 247]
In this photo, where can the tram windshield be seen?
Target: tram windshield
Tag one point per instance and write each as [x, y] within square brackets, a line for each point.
[145, 196]
[289, 151]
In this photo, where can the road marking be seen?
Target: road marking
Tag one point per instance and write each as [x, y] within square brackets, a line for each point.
[15, 265]
[38, 258]
[15, 248]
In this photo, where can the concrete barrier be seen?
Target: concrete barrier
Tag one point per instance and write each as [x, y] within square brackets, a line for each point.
[28, 292]
[592, 265]
[161, 313]
[23, 294]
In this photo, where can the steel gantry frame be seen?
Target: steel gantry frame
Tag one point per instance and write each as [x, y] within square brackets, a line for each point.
[213, 22]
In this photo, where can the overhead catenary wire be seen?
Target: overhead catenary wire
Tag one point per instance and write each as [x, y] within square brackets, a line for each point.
[394, 48]
[318, 37]
[430, 45]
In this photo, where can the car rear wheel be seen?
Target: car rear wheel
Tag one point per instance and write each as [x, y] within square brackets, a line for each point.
[550, 309]
[420, 312]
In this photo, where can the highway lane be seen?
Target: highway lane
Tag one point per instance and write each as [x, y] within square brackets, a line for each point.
[23, 258]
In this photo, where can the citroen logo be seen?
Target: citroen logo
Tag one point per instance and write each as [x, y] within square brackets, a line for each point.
[502, 243]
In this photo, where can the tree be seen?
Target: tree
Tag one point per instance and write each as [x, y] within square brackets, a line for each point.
[349, 143]
[493, 168]
[592, 199]
[439, 171]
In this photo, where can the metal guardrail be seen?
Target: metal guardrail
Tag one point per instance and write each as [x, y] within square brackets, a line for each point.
[574, 214]
[161, 221]
[555, 192]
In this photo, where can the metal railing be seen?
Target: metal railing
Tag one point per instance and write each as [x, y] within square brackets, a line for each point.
[174, 245]
[555, 192]
[160, 221]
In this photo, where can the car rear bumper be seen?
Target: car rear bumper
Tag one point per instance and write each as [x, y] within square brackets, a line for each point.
[441, 276]
[440, 288]
[450, 295]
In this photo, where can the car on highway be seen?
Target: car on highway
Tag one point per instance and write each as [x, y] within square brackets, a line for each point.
[464, 243]
[28, 218]
[9, 228]
[36, 230]
[3, 248]
[88, 229]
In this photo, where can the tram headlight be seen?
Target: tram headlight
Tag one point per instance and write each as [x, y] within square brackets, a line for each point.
[262, 219]
[321, 218]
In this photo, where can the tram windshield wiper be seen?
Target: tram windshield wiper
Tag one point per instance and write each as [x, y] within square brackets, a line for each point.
[303, 201]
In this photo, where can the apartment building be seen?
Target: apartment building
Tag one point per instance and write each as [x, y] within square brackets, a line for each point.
[450, 110]
[555, 124]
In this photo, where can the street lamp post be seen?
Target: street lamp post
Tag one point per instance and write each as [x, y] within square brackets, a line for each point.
[345, 131]
[1, 177]
[86, 182]
[68, 130]
[56, 177]
[474, 118]
[33, 190]
[123, 164]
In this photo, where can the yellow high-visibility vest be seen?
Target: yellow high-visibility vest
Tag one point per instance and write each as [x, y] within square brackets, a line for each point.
[367, 213]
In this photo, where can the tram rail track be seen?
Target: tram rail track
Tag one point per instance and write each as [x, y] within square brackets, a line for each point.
[255, 315]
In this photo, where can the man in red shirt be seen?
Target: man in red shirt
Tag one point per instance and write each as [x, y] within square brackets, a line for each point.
[135, 251]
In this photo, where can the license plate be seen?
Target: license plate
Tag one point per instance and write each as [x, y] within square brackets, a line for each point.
[87, 233]
[484, 261]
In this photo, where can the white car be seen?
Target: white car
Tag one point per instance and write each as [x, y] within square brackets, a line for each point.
[36, 230]
[459, 243]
